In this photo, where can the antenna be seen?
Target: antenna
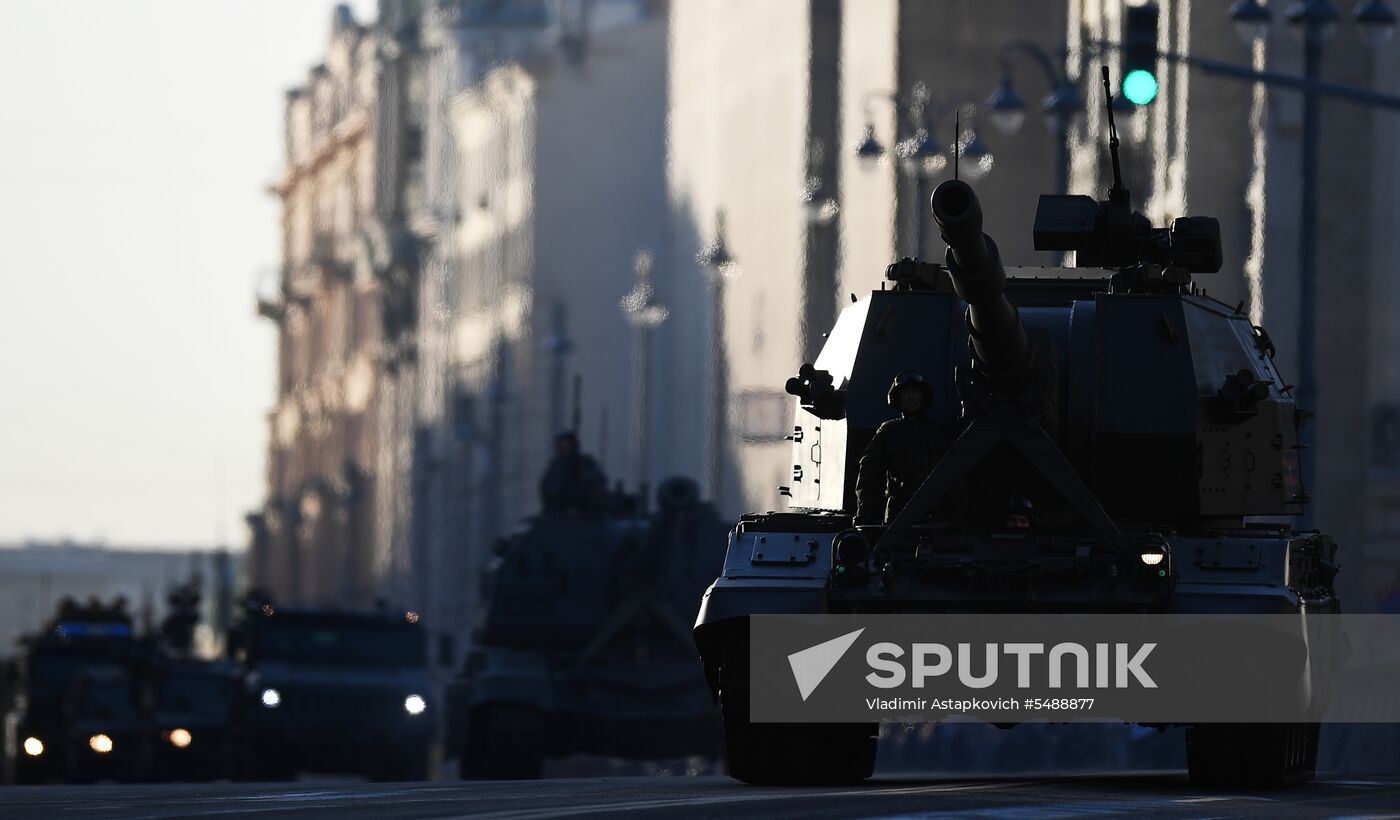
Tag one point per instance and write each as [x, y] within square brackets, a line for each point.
[578, 403]
[957, 136]
[1117, 194]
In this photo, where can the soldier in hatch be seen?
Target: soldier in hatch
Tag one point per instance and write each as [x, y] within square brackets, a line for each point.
[902, 454]
[573, 482]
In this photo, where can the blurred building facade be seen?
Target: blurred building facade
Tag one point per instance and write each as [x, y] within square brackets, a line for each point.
[334, 526]
[558, 186]
[753, 100]
[468, 186]
[768, 101]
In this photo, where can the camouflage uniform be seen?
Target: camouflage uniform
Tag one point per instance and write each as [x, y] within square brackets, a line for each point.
[899, 457]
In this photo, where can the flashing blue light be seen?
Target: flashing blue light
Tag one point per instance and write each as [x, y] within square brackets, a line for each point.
[75, 629]
[1140, 87]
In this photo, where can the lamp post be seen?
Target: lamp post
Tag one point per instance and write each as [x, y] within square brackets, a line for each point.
[919, 154]
[645, 314]
[719, 266]
[1317, 20]
[1007, 111]
[820, 205]
[557, 346]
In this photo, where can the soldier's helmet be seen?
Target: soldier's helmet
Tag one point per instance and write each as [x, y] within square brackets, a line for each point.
[910, 380]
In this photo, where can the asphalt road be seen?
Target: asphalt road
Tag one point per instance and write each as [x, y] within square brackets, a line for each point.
[1116, 795]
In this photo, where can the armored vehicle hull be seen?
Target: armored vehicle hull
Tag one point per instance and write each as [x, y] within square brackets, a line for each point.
[1139, 415]
[335, 691]
[584, 644]
[35, 727]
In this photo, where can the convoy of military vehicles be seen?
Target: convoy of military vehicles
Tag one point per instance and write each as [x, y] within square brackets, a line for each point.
[1029, 411]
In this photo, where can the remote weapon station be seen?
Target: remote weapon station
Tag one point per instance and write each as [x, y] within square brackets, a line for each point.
[1134, 429]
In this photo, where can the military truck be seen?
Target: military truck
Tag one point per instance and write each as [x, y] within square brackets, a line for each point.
[334, 691]
[584, 643]
[1146, 421]
[104, 733]
[48, 664]
[191, 721]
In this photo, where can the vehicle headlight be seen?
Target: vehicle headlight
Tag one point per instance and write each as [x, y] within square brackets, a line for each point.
[33, 746]
[414, 704]
[180, 738]
[271, 698]
[100, 743]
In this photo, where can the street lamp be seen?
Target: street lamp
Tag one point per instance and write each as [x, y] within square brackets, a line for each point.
[1007, 110]
[1251, 20]
[1317, 20]
[1313, 17]
[975, 159]
[1375, 22]
[645, 314]
[817, 204]
[714, 256]
[869, 151]
[720, 266]
[920, 155]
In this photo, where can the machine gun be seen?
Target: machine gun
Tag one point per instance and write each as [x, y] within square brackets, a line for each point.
[1111, 234]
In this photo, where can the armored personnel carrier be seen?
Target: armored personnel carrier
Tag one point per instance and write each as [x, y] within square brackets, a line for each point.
[584, 642]
[327, 690]
[78, 638]
[1143, 422]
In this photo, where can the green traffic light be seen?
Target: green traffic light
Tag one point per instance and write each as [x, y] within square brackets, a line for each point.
[1140, 87]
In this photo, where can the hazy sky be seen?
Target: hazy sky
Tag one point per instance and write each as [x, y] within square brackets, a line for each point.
[137, 139]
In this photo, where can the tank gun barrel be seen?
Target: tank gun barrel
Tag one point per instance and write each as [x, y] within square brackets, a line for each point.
[998, 336]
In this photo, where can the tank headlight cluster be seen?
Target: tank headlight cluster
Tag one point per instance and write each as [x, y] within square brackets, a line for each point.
[414, 704]
[100, 743]
[1153, 555]
[33, 746]
[271, 698]
[180, 738]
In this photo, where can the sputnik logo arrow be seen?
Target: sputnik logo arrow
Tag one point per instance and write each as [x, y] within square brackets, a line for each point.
[811, 665]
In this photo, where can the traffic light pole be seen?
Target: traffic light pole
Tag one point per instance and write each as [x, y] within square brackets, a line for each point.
[1306, 84]
[1307, 265]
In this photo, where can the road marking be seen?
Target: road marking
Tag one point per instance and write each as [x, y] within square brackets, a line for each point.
[1224, 797]
[1051, 811]
[714, 800]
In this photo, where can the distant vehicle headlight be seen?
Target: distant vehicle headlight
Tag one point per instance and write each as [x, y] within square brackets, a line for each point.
[180, 738]
[271, 698]
[414, 704]
[33, 746]
[100, 743]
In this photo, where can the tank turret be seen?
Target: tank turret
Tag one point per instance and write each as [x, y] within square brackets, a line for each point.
[581, 643]
[1130, 429]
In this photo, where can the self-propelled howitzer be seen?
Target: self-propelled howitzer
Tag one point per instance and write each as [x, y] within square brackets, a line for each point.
[1143, 422]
